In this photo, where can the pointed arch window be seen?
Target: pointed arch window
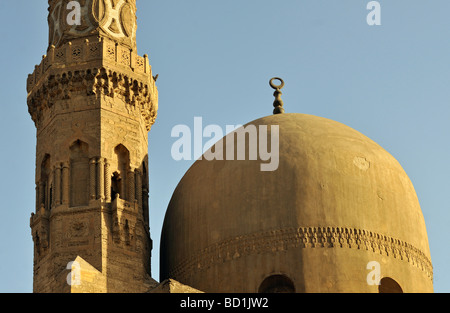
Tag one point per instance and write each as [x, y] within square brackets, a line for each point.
[120, 167]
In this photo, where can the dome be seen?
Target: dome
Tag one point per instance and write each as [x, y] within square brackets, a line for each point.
[338, 212]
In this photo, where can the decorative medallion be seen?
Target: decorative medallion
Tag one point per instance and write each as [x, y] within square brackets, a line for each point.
[69, 20]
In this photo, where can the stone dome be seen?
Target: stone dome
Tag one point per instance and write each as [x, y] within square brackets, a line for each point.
[337, 205]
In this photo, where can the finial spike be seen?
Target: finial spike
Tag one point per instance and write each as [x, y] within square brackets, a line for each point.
[278, 103]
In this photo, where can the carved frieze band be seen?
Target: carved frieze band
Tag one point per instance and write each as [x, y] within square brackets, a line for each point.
[97, 83]
[304, 237]
[75, 54]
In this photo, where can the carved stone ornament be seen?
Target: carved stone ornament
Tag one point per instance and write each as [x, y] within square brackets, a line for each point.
[274, 241]
[115, 19]
[96, 83]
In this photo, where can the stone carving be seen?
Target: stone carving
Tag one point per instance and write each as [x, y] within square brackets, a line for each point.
[93, 82]
[115, 19]
[122, 233]
[124, 220]
[303, 237]
[78, 229]
[40, 230]
[41, 238]
[50, 83]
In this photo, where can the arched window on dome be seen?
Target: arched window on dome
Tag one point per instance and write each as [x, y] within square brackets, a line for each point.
[277, 284]
[388, 285]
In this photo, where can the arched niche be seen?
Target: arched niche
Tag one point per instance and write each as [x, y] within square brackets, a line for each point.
[145, 191]
[120, 165]
[79, 174]
[45, 190]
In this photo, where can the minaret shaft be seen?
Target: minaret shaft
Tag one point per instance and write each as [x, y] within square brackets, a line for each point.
[93, 100]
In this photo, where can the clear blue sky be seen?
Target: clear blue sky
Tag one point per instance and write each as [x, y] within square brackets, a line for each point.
[215, 58]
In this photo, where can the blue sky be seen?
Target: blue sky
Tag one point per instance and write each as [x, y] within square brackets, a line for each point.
[214, 60]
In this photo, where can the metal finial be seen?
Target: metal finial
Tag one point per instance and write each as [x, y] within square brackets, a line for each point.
[278, 103]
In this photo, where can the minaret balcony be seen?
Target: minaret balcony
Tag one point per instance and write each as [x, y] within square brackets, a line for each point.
[81, 52]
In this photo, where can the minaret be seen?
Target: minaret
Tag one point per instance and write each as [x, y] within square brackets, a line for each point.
[93, 100]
